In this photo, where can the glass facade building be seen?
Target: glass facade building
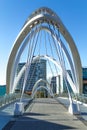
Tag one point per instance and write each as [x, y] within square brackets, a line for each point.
[37, 71]
[20, 83]
[84, 77]
[56, 84]
[84, 70]
[53, 84]
[2, 90]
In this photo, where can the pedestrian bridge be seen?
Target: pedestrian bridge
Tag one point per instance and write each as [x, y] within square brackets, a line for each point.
[44, 36]
[45, 113]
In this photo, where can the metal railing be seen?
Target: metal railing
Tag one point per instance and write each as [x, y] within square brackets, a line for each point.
[6, 99]
[79, 97]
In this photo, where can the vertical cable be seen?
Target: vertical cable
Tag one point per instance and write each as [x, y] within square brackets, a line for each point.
[27, 68]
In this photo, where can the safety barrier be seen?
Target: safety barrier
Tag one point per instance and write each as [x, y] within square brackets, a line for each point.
[6, 99]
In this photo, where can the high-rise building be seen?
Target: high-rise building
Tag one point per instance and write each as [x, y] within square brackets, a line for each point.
[84, 77]
[53, 84]
[37, 71]
[56, 84]
[20, 83]
[84, 70]
[66, 83]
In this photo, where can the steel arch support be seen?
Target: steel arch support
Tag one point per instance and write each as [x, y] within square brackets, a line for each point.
[35, 87]
[53, 61]
[44, 88]
[27, 28]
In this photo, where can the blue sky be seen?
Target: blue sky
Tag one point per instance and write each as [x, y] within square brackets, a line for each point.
[13, 14]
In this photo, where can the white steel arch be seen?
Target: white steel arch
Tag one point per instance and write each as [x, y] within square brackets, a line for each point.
[34, 60]
[25, 43]
[44, 15]
[47, 87]
[53, 61]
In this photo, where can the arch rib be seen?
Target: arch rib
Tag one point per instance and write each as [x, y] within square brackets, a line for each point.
[52, 60]
[27, 28]
[47, 87]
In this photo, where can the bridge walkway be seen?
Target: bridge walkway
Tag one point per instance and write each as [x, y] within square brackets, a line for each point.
[46, 114]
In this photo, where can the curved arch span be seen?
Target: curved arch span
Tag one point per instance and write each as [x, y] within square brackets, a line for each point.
[34, 60]
[53, 61]
[33, 21]
[23, 47]
[44, 88]
[35, 87]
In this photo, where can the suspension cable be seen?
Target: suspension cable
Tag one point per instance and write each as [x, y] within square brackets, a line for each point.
[72, 68]
[45, 42]
[59, 54]
[64, 70]
[47, 54]
[27, 70]
[40, 42]
[52, 53]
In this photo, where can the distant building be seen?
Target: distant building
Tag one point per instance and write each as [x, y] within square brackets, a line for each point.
[56, 84]
[84, 74]
[66, 83]
[84, 70]
[20, 83]
[37, 71]
[53, 84]
[2, 90]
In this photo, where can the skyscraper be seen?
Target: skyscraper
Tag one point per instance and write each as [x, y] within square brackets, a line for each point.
[56, 84]
[84, 70]
[20, 83]
[37, 71]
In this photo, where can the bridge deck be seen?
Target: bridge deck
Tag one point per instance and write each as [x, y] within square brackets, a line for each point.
[46, 114]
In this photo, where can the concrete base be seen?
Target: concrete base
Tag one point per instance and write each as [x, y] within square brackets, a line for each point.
[73, 108]
[18, 108]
